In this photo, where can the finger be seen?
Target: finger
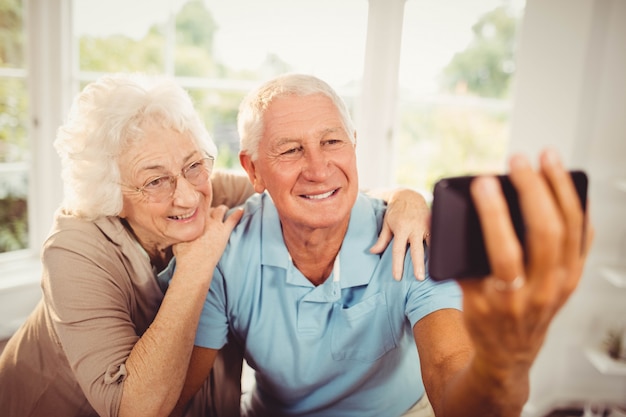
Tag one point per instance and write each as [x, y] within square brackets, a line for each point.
[503, 248]
[543, 222]
[417, 256]
[218, 212]
[383, 239]
[398, 255]
[568, 202]
[233, 218]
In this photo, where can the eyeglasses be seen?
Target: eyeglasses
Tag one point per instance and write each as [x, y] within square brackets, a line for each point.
[158, 189]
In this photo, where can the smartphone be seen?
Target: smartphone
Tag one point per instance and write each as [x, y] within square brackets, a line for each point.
[457, 249]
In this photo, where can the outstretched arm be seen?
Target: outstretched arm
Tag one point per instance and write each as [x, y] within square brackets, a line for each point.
[506, 315]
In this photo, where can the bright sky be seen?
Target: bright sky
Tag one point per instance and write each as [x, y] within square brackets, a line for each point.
[325, 37]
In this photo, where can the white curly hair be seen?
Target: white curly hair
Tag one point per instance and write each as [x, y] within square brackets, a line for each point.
[107, 116]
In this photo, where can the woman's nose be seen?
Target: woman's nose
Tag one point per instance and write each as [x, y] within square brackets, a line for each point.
[185, 193]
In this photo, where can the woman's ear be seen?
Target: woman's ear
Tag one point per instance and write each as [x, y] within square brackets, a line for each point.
[250, 167]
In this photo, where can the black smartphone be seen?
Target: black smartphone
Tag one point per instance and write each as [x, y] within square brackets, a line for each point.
[457, 249]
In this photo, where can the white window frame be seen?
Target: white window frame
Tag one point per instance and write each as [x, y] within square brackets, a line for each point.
[49, 75]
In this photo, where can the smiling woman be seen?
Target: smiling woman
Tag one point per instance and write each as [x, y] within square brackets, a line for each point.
[106, 261]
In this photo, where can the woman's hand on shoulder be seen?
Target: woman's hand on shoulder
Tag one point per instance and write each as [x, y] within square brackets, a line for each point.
[407, 220]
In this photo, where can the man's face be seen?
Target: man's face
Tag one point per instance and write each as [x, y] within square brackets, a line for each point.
[307, 162]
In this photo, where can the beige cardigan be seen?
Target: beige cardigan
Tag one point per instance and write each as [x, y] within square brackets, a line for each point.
[100, 294]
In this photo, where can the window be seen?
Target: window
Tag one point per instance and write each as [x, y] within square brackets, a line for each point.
[451, 111]
[456, 74]
[219, 49]
[14, 141]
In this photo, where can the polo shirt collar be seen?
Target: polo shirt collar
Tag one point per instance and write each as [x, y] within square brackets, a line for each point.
[356, 262]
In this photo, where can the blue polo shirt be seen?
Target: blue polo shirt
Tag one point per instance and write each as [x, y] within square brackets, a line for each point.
[343, 348]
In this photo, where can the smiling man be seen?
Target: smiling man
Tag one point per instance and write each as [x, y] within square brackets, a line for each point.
[326, 328]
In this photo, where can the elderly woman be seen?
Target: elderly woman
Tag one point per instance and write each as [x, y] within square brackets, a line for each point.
[106, 339]
[327, 331]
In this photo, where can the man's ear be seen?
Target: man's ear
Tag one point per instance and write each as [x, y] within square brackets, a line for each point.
[249, 166]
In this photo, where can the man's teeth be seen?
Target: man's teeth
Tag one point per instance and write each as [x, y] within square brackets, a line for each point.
[320, 196]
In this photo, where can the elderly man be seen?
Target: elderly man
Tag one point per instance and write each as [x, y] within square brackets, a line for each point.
[326, 328]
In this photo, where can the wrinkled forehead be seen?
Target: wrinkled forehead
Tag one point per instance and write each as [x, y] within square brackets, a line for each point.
[292, 116]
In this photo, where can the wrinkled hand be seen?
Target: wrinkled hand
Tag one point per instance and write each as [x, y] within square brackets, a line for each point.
[508, 313]
[408, 220]
[204, 252]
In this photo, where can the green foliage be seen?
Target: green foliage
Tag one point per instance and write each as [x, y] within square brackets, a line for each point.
[13, 120]
[13, 126]
[119, 53]
[11, 34]
[486, 67]
[195, 26]
[438, 141]
[13, 224]
[463, 136]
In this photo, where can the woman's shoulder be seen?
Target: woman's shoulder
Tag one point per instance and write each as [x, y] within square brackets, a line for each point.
[73, 230]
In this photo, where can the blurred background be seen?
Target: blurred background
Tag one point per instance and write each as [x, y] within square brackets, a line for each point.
[436, 87]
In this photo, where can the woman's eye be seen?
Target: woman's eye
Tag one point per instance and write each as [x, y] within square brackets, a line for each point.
[157, 182]
[195, 166]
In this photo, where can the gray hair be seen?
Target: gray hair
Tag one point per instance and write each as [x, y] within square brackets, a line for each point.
[250, 123]
[107, 116]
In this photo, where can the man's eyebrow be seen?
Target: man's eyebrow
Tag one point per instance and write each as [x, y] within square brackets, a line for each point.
[320, 134]
[283, 141]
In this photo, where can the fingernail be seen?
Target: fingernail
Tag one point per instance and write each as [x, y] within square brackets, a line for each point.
[487, 186]
[519, 161]
[552, 157]
[421, 275]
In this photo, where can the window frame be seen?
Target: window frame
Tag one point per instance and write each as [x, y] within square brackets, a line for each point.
[50, 90]
[53, 80]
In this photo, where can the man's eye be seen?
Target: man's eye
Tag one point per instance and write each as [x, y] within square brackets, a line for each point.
[334, 143]
[290, 151]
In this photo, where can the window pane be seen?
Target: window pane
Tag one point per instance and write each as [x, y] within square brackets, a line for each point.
[14, 144]
[218, 110]
[456, 73]
[220, 49]
[322, 37]
[112, 41]
[11, 34]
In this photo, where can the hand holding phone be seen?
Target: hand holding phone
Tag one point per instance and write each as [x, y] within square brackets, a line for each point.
[457, 249]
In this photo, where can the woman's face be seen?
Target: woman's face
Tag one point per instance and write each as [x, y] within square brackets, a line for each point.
[172, 219]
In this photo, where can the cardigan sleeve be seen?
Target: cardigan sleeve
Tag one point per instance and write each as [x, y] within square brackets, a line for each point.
[230, 188]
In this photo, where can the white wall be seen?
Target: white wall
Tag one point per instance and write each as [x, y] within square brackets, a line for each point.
[571, 94]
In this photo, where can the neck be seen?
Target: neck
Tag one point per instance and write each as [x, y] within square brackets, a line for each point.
[314, 253]
[159, 256]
